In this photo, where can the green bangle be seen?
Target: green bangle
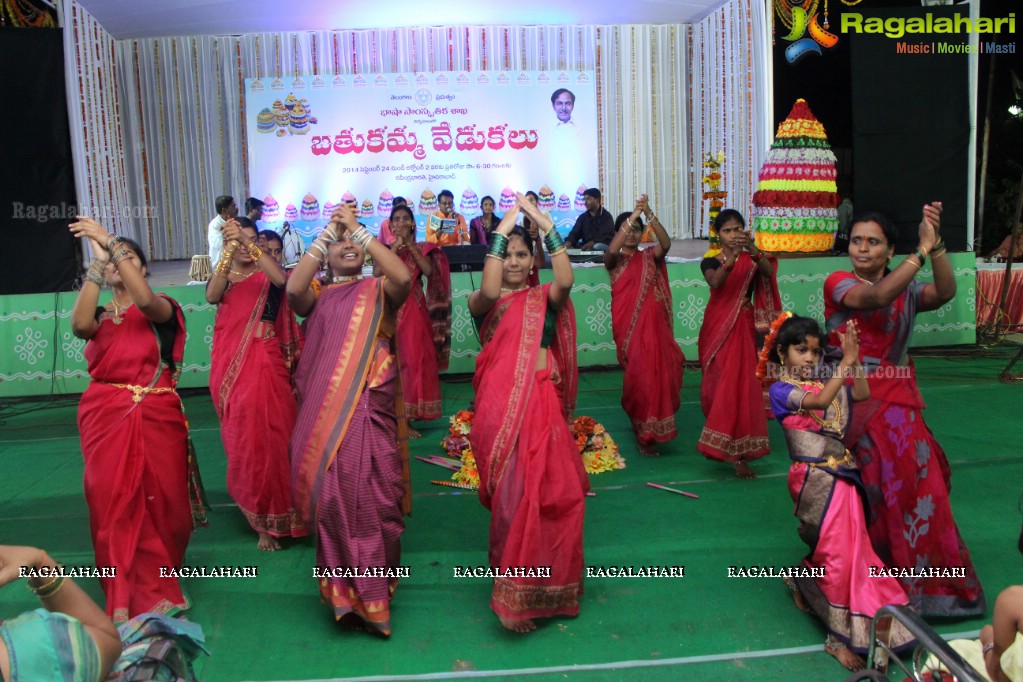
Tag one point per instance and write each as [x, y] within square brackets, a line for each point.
[921, 255]
[498, 245]
[553, 240]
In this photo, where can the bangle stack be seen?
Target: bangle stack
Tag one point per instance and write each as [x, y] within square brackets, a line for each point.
[116, 259]
[112, 241]
[95, 273]
[224, 264]
[555, 244]
[920, 255]
[255, 253]
[758, 256]
[498, 246]
[50, 588]
[938, 250]
[361, 237]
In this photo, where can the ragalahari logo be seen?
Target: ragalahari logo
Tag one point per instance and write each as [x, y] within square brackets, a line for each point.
[800, 21]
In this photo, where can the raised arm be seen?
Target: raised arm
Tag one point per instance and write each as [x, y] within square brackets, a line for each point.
[615, 248]
[399, 280]
[663, 240]
[484, 298]
[83, 315]
[557, 295]
[155, 308]
[943, 289]
[850, 364]
[300, 294]
[217, 284]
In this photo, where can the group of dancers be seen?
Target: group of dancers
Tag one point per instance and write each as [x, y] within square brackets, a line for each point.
[315, 420]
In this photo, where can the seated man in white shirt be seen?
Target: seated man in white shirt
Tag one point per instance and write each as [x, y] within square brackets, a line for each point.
[226, 209]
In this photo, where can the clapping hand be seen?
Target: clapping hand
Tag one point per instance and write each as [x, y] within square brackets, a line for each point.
[930, 224]
[850, 343]
[95, 233]
[536, 216]
[232, 231]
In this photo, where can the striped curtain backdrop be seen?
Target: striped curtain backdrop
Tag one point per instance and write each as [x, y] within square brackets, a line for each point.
[667, 94]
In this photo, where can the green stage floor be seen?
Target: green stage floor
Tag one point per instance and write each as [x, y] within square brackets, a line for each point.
[704, 626]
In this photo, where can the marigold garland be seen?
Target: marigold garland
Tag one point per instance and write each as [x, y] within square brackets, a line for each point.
[769, 342]
[596, 447]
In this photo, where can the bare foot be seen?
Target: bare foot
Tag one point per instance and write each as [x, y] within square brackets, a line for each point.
[742, 470]
[800, 601]
[412, 433]
[523, 626]
[647, 449]
[268, 543]
[846, 656]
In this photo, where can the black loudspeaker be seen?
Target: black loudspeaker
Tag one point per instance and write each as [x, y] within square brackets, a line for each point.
[37, 182]
[465, 258]
[911, 125]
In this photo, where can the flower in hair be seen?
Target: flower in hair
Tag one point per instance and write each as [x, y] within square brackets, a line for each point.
[769, 342]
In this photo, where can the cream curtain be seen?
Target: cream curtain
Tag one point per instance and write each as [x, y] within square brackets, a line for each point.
[668, 95]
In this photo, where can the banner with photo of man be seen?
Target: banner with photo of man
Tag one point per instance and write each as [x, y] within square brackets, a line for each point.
[315, 142]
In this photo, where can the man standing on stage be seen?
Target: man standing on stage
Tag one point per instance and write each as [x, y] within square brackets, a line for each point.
[226, 210]
[594, 229]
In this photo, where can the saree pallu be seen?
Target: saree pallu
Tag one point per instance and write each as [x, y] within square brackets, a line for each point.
[732, 399]
[350, 472]
[830, 510]
[423, 336]
[908, 480]
[647, 350]
[251, 386]
[135, 447]
[531, 476]
[905, 471]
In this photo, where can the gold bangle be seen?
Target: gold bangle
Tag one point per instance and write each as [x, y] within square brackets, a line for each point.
[51, 589]
[559, 250]
[938, 253]
[255, 253]
[916, 265]
[495, 257]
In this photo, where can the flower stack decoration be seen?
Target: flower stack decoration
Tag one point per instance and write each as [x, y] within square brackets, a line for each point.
[596, 446]
[717, 198]
[456, 443]
[795, 207]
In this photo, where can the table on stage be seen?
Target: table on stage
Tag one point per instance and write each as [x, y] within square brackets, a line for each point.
[989, 294]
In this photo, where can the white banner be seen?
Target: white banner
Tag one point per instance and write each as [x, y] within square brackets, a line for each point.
[314, 142]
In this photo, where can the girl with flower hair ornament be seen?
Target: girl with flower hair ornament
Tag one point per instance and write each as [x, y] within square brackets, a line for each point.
[825, 485]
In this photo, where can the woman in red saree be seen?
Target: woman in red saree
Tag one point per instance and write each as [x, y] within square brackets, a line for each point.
[743, 301]
[904, 469]
[424, 322]
[531, 476]
[349, 454]
[255, 344]
[133, 429]
[641, 320]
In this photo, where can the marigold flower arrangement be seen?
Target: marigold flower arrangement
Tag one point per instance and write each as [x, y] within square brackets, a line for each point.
[596, 446]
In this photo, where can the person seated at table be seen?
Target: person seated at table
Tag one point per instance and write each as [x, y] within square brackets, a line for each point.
[68, 639]
[435, 235]
[594, 229]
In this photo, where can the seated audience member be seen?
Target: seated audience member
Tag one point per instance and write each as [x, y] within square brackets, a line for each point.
[226, 209]
[594, 229]
[69, 639]
[1002, 641]
[460, 234]
[482, 226]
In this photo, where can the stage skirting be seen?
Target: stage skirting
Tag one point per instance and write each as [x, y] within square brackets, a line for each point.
[41, 356]
[989, 294]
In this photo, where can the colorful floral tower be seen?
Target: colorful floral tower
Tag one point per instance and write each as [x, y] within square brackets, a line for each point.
[717, 199]
[795, 207]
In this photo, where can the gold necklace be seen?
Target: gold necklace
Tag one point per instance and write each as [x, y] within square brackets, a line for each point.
[243, 275]
[865, 280]
[345, 278]
[119, 310]
[835, 423]
[506, 290]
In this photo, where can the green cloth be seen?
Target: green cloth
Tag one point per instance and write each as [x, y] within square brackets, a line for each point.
[50, 647]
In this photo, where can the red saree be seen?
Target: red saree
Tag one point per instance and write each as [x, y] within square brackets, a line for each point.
[349, 453]
[423, 336]
[135, 446]
[647, 351]
[250, 380]
[905, 471]
[730, 395]
[531, 476]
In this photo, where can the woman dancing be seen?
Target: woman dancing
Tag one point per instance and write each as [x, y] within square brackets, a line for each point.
[424, 322]
[349, 456]
[743, 301]
[133, 428]
[824, 483]
[905, 471]
[531, 476]
[255, 346]
[641, 320]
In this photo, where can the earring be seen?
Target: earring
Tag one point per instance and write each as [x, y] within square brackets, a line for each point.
[782, 362]
[531, 271]
[888, 260]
